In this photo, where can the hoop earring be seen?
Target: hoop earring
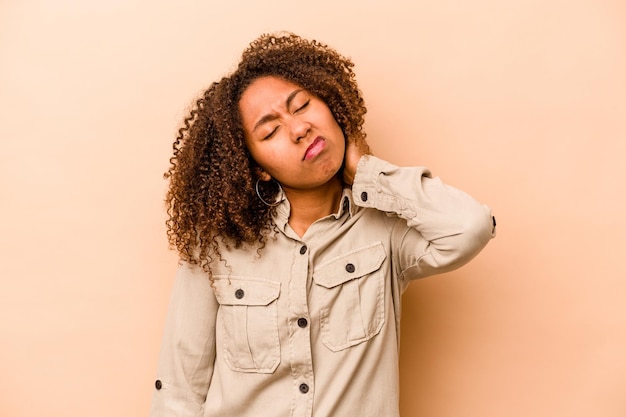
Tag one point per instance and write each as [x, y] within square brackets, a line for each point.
[278, 200]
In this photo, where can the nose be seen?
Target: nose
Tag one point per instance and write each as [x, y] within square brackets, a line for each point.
[299, 128]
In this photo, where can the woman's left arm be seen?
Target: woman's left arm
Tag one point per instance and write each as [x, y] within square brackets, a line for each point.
[444, 227]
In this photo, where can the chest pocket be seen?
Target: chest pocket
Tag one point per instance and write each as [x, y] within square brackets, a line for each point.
[351, 289]
[249, 323]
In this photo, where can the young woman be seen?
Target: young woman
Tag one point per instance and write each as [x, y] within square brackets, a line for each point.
[296, 245]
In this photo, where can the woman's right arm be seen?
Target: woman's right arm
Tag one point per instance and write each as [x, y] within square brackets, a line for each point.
[187, 353]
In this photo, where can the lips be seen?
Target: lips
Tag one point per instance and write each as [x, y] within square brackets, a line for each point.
[314, 148]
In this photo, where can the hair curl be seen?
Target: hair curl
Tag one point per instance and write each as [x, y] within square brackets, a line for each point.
[211, 199]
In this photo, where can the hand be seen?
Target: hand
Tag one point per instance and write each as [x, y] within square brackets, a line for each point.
[355, 149]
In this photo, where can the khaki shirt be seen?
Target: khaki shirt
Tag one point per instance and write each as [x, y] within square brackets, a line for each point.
[310, 326]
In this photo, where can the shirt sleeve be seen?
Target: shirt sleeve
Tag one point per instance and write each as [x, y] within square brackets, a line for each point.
[443, 227]
[187, 355]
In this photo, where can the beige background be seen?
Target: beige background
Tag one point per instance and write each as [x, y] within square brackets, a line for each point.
[520, 102]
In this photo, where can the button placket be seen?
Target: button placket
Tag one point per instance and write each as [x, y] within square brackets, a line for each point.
[302, 322]
[300, 332]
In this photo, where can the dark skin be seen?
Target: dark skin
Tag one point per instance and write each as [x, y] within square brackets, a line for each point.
[294, 138]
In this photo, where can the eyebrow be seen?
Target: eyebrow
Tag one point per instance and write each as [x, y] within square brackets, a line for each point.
[273, 116]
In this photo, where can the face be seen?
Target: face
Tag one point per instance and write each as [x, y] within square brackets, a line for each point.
[291, 134]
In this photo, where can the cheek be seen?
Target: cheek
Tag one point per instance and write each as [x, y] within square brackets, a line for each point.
[344, 140]
[331, 121]
[255, 154]
[268, 157]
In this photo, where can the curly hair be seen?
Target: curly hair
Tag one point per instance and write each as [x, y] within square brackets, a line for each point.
[211, 200]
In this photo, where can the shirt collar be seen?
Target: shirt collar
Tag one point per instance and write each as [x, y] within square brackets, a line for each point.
[347, 207]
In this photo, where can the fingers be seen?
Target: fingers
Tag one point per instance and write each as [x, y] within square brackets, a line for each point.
[355, 149]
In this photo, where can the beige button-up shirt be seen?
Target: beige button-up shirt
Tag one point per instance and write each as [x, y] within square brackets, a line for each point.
[310, 326]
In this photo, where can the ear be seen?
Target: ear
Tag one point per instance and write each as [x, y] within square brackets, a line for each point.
[264, 176]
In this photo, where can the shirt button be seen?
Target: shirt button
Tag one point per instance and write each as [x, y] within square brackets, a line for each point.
[350, 268]
[158, 384]
[239, 294]
[302, 322]
[364, 196]
[303, 250]
[346, 204]
[304, 388]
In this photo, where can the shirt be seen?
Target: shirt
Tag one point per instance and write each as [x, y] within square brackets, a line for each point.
[309, 326]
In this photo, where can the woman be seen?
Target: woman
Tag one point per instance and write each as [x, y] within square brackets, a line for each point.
[296, 245]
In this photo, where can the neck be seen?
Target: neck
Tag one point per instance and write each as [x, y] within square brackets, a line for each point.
[308, 206]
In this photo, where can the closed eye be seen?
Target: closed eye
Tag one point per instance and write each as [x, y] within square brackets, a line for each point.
[303, 106]
[269, 135]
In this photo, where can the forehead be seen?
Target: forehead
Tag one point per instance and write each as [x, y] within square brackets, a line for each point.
[263, 96]
[266, 89]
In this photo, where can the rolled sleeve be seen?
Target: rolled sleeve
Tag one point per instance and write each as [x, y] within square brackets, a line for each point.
[445, 227]
[188, 348]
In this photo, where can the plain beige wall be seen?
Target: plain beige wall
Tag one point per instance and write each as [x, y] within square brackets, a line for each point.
[520, 102]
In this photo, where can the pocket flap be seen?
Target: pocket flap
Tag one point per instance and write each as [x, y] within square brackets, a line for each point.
[351, 265]
[245, 291]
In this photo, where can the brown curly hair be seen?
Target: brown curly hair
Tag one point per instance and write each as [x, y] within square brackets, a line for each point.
[211, 199]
